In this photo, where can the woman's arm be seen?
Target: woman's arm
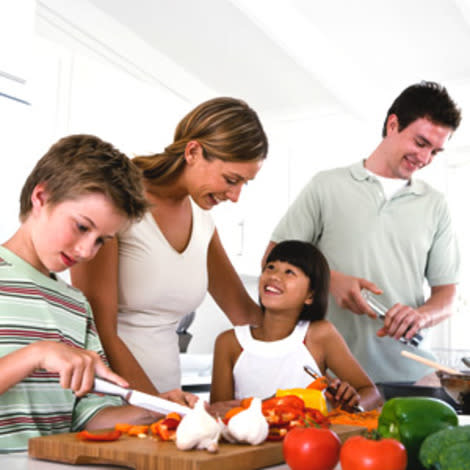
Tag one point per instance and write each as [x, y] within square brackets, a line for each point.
[98, 280]
[339, 359]
[227, 289]
[222, 385]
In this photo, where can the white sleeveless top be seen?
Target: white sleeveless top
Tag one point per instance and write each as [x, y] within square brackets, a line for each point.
[157, 286]
[265, 366]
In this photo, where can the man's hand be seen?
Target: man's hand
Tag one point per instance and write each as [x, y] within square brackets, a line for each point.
[347, 292]
[76, 367]
[402, 320]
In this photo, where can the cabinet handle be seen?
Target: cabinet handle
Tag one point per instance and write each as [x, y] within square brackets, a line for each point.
[241, 224]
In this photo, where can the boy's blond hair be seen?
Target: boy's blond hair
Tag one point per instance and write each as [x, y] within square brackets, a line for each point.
[81, 164]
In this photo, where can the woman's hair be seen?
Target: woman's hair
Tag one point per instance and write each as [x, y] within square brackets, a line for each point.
[226, 128]
[311, 261]
[81, 164]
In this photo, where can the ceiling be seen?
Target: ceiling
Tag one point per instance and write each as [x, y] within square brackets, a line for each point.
[293, 57]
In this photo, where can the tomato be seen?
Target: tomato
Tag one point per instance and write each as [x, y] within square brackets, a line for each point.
[360, 453]
[311, 449]
[99, 436]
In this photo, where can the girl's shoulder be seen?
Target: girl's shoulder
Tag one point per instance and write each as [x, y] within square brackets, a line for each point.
[321, 330]
[227, 340]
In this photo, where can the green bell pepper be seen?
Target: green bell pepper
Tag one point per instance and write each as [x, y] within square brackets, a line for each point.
[411, 419]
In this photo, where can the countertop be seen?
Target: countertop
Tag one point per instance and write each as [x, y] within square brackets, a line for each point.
[21, 461]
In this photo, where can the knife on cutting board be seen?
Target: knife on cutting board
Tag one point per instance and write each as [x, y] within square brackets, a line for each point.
[136, 398]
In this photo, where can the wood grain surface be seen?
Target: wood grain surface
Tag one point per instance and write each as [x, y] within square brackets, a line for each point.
[151, 454]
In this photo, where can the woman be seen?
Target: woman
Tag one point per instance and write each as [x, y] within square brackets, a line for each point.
[160, 269]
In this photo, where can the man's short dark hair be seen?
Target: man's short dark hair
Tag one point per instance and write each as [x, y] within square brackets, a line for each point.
[428, 100]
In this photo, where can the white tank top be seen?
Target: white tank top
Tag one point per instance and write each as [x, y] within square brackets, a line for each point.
[157, 287]
[265, 366]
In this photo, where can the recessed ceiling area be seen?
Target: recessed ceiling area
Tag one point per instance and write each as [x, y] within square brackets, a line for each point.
[300, 56]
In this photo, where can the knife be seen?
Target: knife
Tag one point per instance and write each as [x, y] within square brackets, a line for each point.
[144, 400]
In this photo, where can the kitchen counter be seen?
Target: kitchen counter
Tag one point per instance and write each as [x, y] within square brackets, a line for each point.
[21, 461]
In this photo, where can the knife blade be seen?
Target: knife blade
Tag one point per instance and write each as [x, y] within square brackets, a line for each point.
[141, 399]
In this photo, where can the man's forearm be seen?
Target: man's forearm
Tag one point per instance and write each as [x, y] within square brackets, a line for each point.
[440, 304]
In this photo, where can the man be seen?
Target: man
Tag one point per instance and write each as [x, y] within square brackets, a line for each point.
[386, 232]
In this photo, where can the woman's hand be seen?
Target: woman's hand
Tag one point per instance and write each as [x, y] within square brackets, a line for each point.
[220, 408]
[76, 367]
[179, 396]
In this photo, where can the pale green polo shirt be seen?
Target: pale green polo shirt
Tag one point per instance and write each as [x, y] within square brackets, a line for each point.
[398, 244]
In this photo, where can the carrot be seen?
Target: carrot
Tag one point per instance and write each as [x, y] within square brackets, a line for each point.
[367, 419]
[137, 429]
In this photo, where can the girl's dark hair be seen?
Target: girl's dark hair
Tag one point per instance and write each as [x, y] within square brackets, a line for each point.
[311, 261]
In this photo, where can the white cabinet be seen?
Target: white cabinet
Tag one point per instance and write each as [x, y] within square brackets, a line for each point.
[136, 117]
[245, 227]
[16, 30]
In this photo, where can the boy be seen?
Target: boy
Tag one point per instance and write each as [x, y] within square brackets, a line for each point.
[78, 196]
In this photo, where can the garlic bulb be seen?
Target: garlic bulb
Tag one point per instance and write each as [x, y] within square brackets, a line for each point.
[198, 429]
[250, 425]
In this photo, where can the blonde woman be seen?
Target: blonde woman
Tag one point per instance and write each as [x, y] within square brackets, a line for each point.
[160, 269]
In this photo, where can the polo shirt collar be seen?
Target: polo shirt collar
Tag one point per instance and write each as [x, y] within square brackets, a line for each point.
[359, 173]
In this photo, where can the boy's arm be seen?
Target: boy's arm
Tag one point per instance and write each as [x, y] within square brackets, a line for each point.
[108, 417]
[225, 353]
[98, 280]
[76, 367]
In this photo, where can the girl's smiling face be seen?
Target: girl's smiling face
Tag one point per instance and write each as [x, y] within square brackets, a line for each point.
[283, 286]
[71, 231]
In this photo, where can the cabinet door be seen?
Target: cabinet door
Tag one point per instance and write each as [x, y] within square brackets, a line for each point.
[16, 30]
[245, 227]
[139, 118]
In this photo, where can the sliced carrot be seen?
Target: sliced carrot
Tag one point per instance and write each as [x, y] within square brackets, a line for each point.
[138, 429]
[123, 427]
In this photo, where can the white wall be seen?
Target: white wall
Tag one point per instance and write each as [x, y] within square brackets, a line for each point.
[104, 80]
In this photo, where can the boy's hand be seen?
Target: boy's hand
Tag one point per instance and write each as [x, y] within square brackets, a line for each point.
[76, 367]
[345, 396]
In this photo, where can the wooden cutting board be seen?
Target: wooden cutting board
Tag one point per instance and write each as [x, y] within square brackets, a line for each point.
[151, 454]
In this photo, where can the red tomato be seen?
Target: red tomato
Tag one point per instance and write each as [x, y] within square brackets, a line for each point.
[311, 449]
[360, 453]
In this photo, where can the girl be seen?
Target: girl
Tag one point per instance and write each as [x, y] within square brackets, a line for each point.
[256, 361]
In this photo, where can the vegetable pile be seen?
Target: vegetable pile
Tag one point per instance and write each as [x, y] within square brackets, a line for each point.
[412, 433]
[411, 419]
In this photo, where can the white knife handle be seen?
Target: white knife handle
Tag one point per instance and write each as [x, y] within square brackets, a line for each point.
[103, 386]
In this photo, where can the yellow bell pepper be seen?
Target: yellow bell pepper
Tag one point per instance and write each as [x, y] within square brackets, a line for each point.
[312, 398]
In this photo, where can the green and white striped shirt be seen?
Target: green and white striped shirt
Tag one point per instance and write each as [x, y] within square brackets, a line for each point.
[34, 307]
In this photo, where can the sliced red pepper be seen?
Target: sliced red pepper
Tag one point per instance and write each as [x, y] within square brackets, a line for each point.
[99, 436]
[282, 414]
[291, 401]
[317, 417]
[165, 428]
